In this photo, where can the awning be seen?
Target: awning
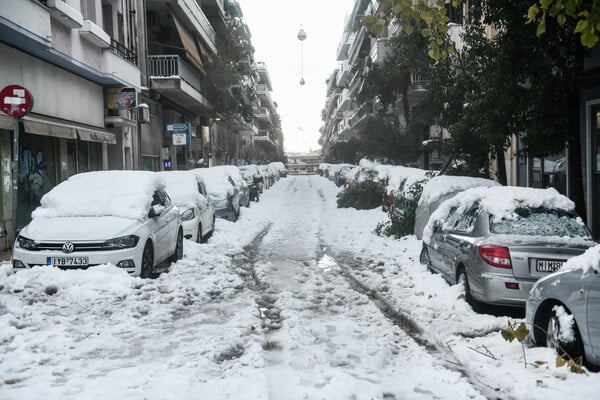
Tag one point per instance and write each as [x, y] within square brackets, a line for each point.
[189, 44]
[6, 122]
[47, 126]
[96, 135]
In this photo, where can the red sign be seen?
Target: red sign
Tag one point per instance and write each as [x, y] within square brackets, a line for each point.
[15, 100]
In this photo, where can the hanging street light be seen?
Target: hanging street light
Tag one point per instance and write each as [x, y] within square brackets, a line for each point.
[301, 38]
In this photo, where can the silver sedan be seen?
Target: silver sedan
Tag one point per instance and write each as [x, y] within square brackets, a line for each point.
[563, 312]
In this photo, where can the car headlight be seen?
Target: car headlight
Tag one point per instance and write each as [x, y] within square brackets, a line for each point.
[121, 242]
[25, 243]
[187, 215]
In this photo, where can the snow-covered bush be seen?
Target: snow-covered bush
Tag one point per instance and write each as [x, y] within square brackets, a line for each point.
[362, 195]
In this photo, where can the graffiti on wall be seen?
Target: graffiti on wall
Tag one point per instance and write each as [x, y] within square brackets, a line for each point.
[34, 180]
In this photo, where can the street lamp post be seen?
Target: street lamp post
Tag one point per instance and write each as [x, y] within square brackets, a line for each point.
[301, 37]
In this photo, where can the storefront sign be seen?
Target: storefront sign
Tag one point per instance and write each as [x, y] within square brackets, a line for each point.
[120, 98]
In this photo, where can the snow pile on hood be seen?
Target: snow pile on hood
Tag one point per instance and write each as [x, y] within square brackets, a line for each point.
[588, 261]
[216, 180]
[444, 184]
[125, 194]
[182, 187]
[500, 202]
[233, 172]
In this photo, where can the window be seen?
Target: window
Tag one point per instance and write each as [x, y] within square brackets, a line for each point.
[455, 14]
[88, 10]
[540, 222]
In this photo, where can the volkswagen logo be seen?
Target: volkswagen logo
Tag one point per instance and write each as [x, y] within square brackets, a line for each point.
[68, 247]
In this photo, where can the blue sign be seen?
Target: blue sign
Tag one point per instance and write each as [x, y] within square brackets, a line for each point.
[177, 127]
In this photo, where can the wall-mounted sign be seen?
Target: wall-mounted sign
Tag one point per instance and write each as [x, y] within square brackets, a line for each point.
[177, 127]
[15, 101]
[120, 98]
[179, 139]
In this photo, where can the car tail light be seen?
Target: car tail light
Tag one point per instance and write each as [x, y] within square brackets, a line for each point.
[498, 256]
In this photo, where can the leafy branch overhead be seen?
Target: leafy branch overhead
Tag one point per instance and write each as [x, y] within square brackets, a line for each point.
[585, 13]
[430, 19]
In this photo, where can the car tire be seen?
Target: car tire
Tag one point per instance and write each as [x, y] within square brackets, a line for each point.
[178, 253]
[424, 257]
[199, 236]
[551, 339]
[209, 234]
[147, 261]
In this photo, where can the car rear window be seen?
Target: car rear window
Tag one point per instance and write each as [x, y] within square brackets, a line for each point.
[542, 222]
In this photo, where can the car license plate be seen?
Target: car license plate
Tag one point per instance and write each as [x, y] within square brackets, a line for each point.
[68, 261]
[548, 265]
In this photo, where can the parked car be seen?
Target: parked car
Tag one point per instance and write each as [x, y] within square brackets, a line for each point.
[224, 195]
[239, 182]
[571, 294]
[189, 195]
[400, 183]
[342, 174]
[280, 167]
[439, 189]
[120, 217]
[499, 240]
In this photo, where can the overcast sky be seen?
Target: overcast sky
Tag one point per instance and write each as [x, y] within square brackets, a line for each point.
[274, 25]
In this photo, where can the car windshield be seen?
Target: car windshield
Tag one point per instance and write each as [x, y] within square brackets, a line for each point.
[540, 222]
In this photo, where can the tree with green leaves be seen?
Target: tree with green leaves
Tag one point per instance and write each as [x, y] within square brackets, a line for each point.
[233, 65]
[487, 92]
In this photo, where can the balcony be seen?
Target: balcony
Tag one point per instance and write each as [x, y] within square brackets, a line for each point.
[174, 79]
[120, 62]
[96, 35]
[343, 74]
[361, 115]
[65, 14]
[265, 136]
[263, 74]
[262, 113]
[378, 50]
[344, 102]
[190, 12]
[264, 94]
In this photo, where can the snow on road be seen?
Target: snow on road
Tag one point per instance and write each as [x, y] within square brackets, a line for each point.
[296, 300]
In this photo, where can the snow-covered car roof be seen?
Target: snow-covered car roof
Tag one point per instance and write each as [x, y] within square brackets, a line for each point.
[500, 202]
[125, 194]
[442, 185]
[587, 262]
[182, 187]
[233, 172]
[216, 181]
[277, 164]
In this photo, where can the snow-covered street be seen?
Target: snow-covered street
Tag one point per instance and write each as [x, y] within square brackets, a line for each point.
[296, 300]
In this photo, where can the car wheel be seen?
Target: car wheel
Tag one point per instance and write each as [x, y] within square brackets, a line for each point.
[573, 349]
[178, 253]
[147, 261]
[209, 234]
[199, 234]
[424, 257]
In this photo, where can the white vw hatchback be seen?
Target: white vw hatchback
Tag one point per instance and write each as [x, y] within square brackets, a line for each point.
[124, 218]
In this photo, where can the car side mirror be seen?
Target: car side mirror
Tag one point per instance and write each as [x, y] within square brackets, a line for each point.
[153, 213]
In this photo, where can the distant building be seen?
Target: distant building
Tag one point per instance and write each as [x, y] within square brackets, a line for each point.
[303, 163]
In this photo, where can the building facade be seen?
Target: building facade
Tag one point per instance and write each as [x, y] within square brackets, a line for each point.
[120, 84]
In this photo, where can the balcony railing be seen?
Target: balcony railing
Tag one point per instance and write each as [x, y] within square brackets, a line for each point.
[170, 66]
[365, 110]
[123, 51]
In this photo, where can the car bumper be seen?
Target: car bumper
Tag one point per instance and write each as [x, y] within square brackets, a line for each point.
[494, 289]
[127, 259]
